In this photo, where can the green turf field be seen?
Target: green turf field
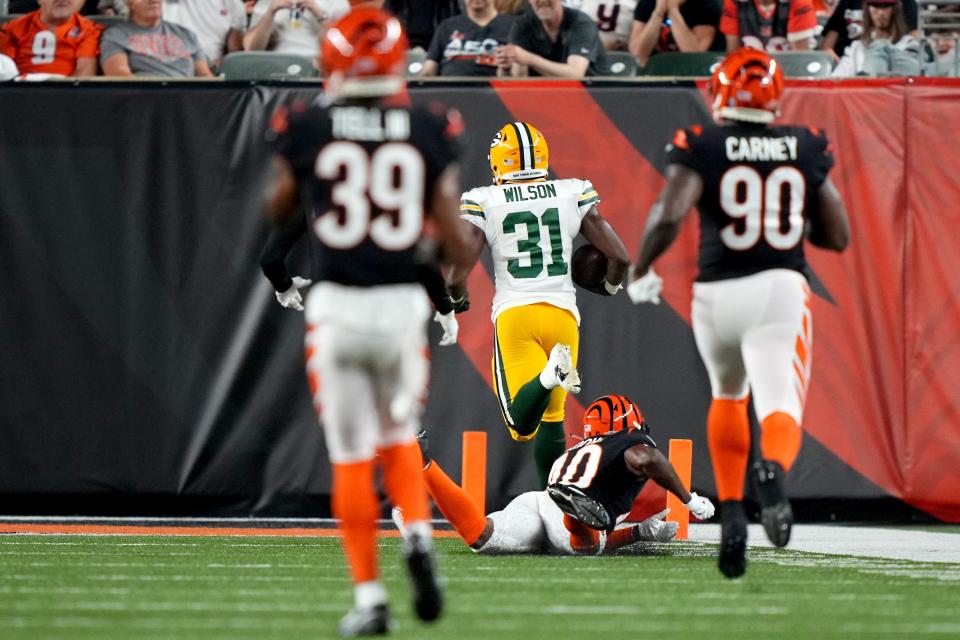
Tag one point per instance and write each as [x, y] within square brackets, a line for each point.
[265, 587]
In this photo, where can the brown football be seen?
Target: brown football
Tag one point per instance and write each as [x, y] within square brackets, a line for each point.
[588, 267]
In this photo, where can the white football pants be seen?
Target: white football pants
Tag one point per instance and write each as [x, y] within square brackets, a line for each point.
[530, 523]
[755, 334]
[367, 362]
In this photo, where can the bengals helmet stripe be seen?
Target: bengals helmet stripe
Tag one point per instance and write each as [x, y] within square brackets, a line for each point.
[612, 413]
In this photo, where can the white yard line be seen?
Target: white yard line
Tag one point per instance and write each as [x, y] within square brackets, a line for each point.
[866, 542]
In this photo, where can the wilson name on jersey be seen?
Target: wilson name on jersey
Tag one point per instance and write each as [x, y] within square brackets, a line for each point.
[366, 174]
[596, 467]
[760, 186]
[530, 227]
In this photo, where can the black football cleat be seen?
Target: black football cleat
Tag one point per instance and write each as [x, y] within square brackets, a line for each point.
[417, 550]
[424, 442]
[374, 621]
[775, 512]
[732, 559]
[578, 505]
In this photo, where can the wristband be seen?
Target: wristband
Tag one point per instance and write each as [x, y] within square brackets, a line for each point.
[611, 288]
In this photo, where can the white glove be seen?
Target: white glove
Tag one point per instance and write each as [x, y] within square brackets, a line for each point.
[611, 288]
[646, 288]
[700, 507]
[291, 298]
[657, 529]
[450, 327]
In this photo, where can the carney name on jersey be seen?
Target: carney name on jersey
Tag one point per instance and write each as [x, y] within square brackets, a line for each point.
[366, 172]
[596, 467]
[530, 227]
[760, 185]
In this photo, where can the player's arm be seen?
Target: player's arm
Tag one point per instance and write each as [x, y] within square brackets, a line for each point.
[830, 227]
[601, 235]
[647, 462]
[458, 245]
[680, 194]
[282, 199]
[457, 276]
[274, 254]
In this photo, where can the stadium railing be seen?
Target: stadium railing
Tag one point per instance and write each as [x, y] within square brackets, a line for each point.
[267, 65]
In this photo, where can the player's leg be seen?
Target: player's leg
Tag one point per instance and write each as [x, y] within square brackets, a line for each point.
[343, 391]
[777, 353]
[401, 388]
[560, 328]
[717, 324]
[518, 528]
[518, 361]
[565, 534]
[457, 507]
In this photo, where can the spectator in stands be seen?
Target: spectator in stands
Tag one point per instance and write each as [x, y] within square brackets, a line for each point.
[218, 24]
[291, 26]
[53, 39]
[674, 25]
[942, 34]
[421, 18]
[148, 45]
[885, 48]
[113, 8]
[553, 40]
[465, 45]
[614, 19]
[846, 25]
[770, 25]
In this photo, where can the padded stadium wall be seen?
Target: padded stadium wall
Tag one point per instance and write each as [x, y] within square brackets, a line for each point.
[147, 369]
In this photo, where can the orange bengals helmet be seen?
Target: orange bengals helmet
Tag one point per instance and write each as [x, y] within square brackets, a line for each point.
[612, 413]
[747, 86]
[363, 54]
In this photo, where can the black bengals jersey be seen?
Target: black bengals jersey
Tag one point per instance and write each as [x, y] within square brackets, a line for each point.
[597, 468]
[366, 174]
[760, 186]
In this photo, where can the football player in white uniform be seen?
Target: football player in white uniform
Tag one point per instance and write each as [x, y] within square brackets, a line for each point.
[530, 223]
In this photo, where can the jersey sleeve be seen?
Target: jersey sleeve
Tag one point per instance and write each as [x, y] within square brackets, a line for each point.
[821, 155]
[287, 136]
[643, 10]
[681, 148]
[471, 209]
[434, 51]
[581, 39]
[588, 197]
[446, 145]
[729, 21]
[7, 45]
[802, 21]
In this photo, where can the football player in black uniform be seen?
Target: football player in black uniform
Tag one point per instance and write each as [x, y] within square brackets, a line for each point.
[591, 489]
[760, 189]
[367, 169]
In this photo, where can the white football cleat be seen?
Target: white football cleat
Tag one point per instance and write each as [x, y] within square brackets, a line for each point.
[559, 371]
[396, 514]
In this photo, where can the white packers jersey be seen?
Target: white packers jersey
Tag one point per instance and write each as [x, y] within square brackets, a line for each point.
[614, 19]
[530, 227]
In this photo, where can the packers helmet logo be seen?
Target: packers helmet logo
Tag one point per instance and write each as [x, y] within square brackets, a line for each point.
[497, 139]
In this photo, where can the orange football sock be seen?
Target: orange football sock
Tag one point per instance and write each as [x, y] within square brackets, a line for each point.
[403, 480]
[780, 439]
[728, 438]
[620, 538]
[456, 504]
[583, 539]
[355, 504]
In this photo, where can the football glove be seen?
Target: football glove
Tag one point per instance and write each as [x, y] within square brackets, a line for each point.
[291, 298]
[461, 304]
[646, 288]
[700, 507]
[450, 327]
[656, 529]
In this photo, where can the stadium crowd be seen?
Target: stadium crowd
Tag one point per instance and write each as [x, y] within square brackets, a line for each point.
[476, 38]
